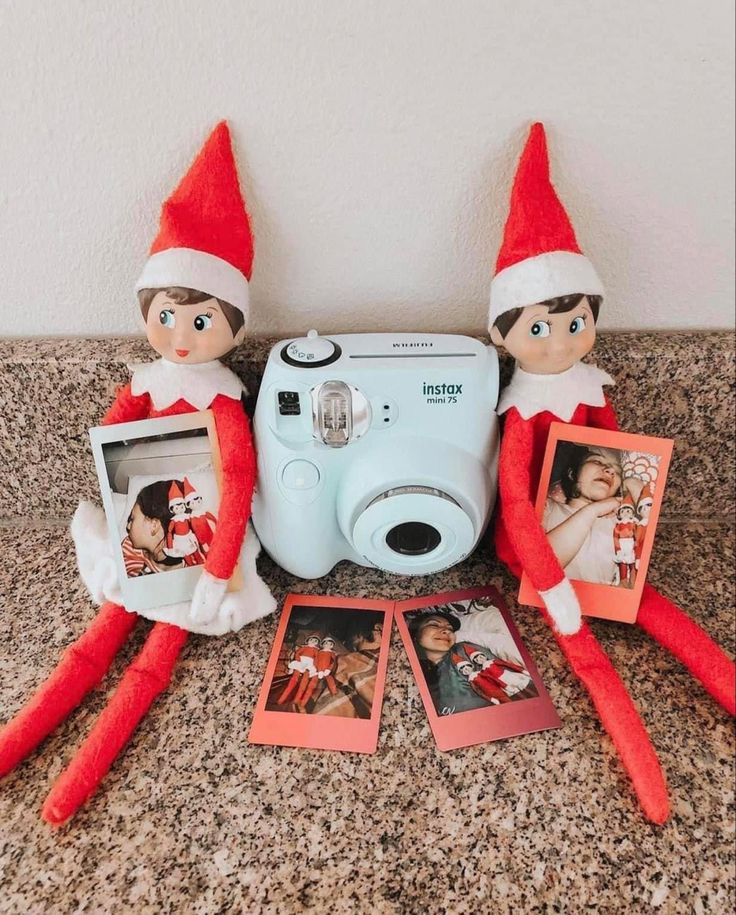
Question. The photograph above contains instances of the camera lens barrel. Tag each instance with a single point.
(413, 538)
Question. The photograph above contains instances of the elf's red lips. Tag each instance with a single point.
(182, 352)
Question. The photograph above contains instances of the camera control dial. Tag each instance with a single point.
(311, 351)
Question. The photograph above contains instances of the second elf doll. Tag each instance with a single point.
(545, 299)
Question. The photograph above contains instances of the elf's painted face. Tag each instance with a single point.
(189, 334)
(465, 669)
(328, 644)
(146, 533)
(479, 658)
(194, 502)
(178, 508)
(643, 510)
(313, 641)
(625, 513)
(547, 344)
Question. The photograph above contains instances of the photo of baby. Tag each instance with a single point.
(165, 498)
(597, 510)
(468, 656)
(327, 662)
(168, 527)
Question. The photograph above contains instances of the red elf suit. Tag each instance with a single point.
(511, 677)
(624, 539)
(204, 243)
(202, 522)
(301, 667)
(646, 500)
(181, 541)
(540, 260)
(325, 664)
(487, 689)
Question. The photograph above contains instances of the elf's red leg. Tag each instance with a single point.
(620, 718)
(706, 661)
(82, 666)
(307, 693)
(290, 687)
(147, 676)
(303, 684)
(331, 685)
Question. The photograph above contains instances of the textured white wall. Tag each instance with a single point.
(376, 141)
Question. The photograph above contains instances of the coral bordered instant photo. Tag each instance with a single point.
(599, 498)
(476, 679)
(324, 681)
(159, 480)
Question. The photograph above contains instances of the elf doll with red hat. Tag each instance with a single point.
(545, 298)
(487, 689)
(643, 507)
(302, 667)
(624, 543)
(324, 669)
(193, 295)
(180, 538)
(203, 522)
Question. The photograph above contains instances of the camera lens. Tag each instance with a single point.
(413, 538)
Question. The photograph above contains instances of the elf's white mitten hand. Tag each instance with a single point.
(207, 598)
(562, 605)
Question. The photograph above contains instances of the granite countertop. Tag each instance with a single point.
(193, 819)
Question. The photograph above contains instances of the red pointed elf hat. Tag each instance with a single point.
(188, 488)
(204, 240)
(646, 496)
(539, 258)
(175, 493)
(626, 502)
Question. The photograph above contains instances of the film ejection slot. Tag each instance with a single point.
(340, 413)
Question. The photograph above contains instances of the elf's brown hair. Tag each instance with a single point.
(504, 322)
(184, 296)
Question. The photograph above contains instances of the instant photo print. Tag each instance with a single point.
(599, 499)
(160, 485)
(477, 681)
(323, 687)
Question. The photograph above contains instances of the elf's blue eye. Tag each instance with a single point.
(203, 322)
(167, 318)
(577, 325)
(539, 329)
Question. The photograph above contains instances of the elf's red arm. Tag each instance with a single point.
(524, 529)
(669, 625)
(126, 408)
(238, 479)
(603, 417)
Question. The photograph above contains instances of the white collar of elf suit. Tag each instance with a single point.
(560, 394)
(166, 382)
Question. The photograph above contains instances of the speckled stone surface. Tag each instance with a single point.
(193, 819)
(679, 385)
